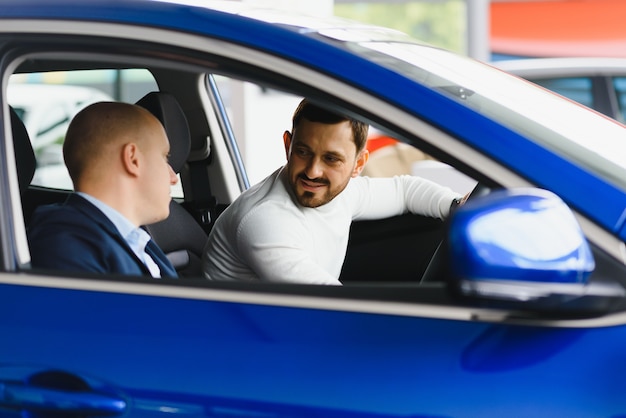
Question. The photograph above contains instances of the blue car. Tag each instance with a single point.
(513, 307)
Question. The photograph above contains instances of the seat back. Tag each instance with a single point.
(24, 153)
(180, 236)
(32, 197)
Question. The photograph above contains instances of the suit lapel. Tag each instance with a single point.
(160, 259)
(100, 218)
(167, 270)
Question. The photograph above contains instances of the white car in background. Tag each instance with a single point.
(598, 83)
(47, 109)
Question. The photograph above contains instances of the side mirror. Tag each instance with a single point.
(524, 247)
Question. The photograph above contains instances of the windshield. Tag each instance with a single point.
(593, 141)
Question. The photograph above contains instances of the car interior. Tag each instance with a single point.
(396, 249)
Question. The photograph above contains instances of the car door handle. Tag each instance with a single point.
(31, 398)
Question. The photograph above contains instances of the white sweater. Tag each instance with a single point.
(266, 235)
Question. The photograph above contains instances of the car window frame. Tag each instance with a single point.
(349, 98)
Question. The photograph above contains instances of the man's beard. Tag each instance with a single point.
(313, 200)
(309, 199)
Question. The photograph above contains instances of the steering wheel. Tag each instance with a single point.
(437, 266)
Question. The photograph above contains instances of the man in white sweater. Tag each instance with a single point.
(293, 226)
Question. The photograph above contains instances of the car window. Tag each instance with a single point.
(47, 102)
(578, 89)
(619, 84)
(259, 115)
(390, 157)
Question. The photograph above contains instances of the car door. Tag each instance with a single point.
(81, 345)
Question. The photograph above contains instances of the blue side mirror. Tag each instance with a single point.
(524, 245)
(524, 234)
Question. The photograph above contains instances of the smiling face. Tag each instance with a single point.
(321, 160)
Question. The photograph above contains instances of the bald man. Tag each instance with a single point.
(117, 157)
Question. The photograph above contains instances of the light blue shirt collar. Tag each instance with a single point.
(123, 225)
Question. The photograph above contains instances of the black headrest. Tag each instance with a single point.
(24, 154)
(166, 109)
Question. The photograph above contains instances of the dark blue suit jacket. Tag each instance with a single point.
(76, 236)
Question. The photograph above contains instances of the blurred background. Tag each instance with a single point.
(490, 29)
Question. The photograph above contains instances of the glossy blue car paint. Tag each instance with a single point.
(603, 202)
(522, 234)
(226, 359)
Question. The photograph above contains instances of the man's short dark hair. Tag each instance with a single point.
(314, 113)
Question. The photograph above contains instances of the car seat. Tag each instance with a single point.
(24, 153)
(26, 161)
(180, 236)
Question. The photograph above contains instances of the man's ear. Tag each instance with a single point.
(131, 158)
(287, 142)
(361, 160)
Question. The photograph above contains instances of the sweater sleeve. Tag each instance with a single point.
(376, 198)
